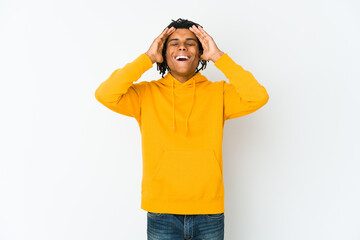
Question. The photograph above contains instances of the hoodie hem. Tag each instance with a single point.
(180, 206)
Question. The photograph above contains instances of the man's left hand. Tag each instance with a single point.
(211, 51)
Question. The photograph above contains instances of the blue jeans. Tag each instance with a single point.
(165, 226)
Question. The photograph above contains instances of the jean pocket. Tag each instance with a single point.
(152, 214)
(215, 216)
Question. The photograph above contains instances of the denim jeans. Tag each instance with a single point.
(165, 226)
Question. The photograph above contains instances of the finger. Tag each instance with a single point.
(194, 29)
(167, 33)
(205, 35)
(170, 31)
(166, 30)
(198, 34)
(203, 31)
(159, 37)
(202, 35)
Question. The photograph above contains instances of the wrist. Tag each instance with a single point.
(150, 56)
(217, 56)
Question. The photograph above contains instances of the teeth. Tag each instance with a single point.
(184, 57)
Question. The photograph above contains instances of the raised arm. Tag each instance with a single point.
(119, 92)
(244, 94)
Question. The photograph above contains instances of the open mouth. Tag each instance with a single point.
(182, 58)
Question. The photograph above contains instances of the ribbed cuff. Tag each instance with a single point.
(145, 60)
(225, 63)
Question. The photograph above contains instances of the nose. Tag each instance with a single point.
(182, 47)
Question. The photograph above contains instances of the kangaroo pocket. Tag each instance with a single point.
(187, 175)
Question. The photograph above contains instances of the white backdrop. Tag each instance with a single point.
(71, 168)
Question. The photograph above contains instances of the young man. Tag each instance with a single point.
(181, 118)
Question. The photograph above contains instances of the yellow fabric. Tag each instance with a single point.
(181, 128)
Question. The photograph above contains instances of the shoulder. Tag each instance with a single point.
(218, 84)
(140, 87)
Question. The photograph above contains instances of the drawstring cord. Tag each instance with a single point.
(173, 105)
(192, 103)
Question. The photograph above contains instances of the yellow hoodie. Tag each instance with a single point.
(181, 128)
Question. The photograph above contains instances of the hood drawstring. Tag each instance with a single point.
(173, 104)
(192, 103)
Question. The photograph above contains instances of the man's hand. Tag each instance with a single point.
(155, 50)
(211, 51)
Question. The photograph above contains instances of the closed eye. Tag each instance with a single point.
(190, 44)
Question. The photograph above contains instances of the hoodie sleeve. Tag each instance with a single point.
(243, 95)
(119, 93)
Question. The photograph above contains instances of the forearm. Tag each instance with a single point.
(216, 56)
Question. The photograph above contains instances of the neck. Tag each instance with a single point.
(182, 78)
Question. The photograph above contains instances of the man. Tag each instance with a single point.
(181, 118)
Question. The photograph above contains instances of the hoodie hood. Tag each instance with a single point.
(172, 83)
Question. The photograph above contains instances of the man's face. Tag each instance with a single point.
(182, 42)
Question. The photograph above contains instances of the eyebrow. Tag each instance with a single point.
(174, 39)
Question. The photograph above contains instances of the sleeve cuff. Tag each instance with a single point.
(223, 60)
(145, 60)
(226, 64)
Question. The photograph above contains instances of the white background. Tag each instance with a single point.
(71, 168)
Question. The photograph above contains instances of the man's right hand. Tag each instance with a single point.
(155, 50)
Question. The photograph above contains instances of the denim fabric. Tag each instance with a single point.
(165, 226)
